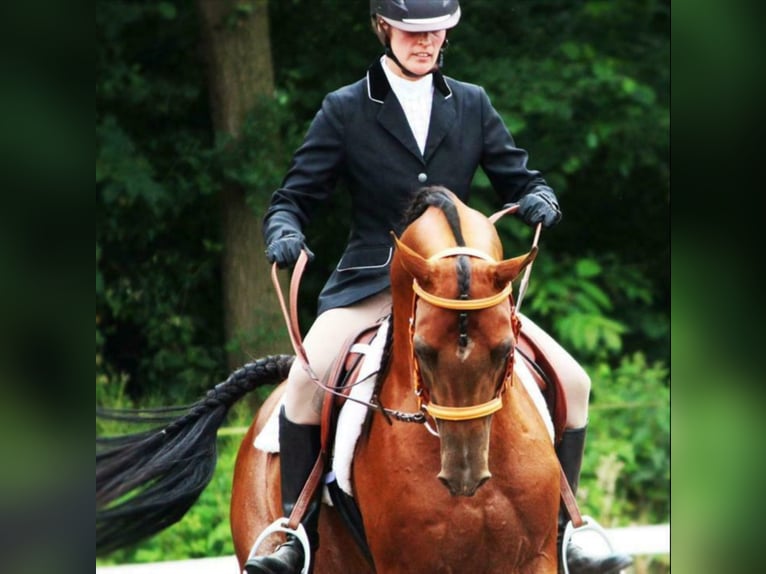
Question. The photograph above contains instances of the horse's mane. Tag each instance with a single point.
(435, 196)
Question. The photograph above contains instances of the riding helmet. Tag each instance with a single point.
(417, 15)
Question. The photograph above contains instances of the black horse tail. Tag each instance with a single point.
(147, 481)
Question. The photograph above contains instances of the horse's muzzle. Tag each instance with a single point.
(464, 456)
(464, 486)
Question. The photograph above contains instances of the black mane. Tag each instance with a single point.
(435, 196)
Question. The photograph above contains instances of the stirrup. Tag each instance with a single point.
(280, 525)
(589, 524)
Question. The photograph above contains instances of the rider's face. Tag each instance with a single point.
(417, 51)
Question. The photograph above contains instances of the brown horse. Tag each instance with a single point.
(482, 496)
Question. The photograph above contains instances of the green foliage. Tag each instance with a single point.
(582, 302)
(256, 160)
(626, 471)
(157, 247)
(585, 88)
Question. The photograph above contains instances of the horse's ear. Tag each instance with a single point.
(508, 269)
(417, 266)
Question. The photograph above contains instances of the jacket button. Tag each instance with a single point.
(422, 177)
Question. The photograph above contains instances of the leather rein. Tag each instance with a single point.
(293, 329)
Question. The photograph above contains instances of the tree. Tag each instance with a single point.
(238, 57)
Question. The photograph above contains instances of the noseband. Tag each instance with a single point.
(474, 411)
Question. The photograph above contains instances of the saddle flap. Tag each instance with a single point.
(342, 376)
(548, 380)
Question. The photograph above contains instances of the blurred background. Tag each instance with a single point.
(198, 110)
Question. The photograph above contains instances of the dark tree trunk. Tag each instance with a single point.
(239, 65)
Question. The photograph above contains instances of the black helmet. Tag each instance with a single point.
(417, 15)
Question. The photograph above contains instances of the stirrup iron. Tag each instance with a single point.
(589, 524)
(280, 525)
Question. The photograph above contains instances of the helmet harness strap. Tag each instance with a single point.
(390, 54)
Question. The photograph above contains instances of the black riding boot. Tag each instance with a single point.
(299, 447)
(570, 451)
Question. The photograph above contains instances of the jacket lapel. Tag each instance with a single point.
(443, 115)
(391, 116)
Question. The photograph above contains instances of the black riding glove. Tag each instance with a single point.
(540, 206)
(286, 250)
(284, 240)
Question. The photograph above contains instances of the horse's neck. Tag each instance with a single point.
(397, 388)
(519, 414)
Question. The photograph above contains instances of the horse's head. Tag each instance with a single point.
(462, 331)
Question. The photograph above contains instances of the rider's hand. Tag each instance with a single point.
(286, 250)
(540, 206)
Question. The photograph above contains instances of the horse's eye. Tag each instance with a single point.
(424, 352)
(500, 352)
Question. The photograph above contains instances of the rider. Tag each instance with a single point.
(404, 125)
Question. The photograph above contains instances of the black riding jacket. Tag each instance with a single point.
(361, 134)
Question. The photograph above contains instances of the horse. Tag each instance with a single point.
(478, 493)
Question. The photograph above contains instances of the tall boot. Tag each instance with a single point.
(299, 447)
(570, 452)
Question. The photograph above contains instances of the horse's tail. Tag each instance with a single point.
(148, 480)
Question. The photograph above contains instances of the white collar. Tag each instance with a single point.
(408, 89)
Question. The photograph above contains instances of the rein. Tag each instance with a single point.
(293, 329)
(538, 228)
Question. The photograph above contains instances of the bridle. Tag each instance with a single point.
(449, 413)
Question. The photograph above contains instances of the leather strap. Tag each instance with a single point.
(291, 318)
(533, 352)
(293, 328)
(307, 494)
(568, 499)
(525, 278)
(511, 208)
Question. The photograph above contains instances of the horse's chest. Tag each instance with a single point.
(413, 523)
(428, 532)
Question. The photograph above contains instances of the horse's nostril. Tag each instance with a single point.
(446, 482)
(463, 487)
